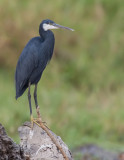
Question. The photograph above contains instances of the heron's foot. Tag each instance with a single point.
(33, 120)
(39, 121)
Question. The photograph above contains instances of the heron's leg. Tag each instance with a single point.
(35, 96)
(36, 102)
(29, 99)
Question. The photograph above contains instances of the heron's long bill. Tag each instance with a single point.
(59, 26)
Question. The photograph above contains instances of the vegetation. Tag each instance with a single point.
(81, 91)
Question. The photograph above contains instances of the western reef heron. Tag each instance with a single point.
(33, 60)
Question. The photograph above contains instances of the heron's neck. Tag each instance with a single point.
(48, 40)
(45, 34)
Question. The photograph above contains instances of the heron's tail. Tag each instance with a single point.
(20, 92)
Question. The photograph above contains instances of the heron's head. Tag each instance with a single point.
(49, 24)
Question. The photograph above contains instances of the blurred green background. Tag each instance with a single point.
(81, 93)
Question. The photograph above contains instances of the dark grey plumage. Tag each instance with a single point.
(33, 60)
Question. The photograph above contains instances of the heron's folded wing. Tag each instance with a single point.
(28, 61)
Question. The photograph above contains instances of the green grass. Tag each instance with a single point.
(77, 117)
(81, 91)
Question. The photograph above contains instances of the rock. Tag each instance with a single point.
(37, 145)
(9, 150)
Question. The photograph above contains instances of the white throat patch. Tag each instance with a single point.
(48, 26)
